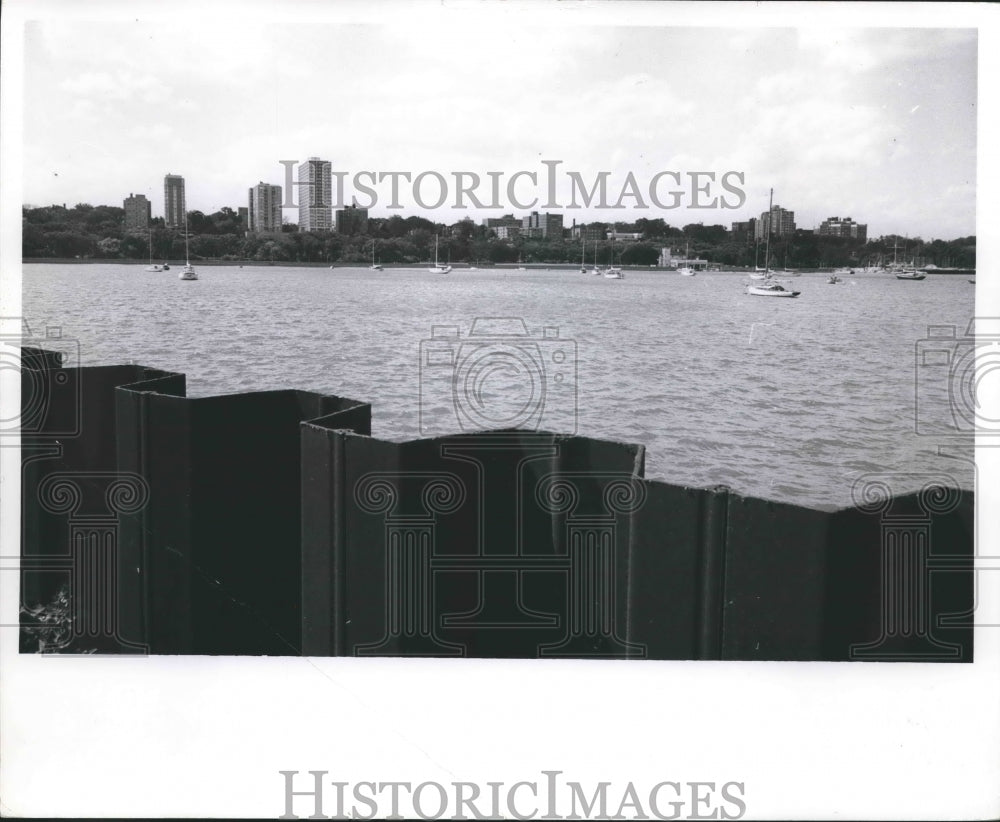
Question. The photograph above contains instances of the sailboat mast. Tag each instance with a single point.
(767, 242)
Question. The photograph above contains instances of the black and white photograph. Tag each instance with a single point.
(499, 410)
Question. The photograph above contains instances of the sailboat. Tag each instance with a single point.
(595, 270)
(686, 271)
(612, 272)
(758, 272)
(769, 287)
(902, 270)
(188, 272)
(374, 266)
(151, 267)
(583, 255)
(788, 272)
(437, 268)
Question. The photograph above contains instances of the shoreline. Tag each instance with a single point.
(456, 267)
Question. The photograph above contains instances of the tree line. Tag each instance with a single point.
(97, 232)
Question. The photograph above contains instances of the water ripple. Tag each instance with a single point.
(789, 400)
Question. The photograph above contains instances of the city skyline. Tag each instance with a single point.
(880, 123)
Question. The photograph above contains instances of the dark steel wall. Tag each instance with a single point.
(272, 523)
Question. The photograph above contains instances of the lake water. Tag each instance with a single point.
(785, 399)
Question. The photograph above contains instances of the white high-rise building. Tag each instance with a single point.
(264, 211)
(315, 195)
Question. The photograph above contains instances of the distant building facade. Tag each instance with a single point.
(496, 223)
(351, 220)
(745, 231)
(244, 213)
(508, 232)
(174, 204)
(671, 258)
(624, 235)
(264, 208)
(315, 195)
(779, 222)
(588, 233)
(138, 212)
(542, 225)
(836, 227)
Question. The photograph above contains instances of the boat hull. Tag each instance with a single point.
(754, 291)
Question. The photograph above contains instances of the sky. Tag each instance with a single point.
(875, 124)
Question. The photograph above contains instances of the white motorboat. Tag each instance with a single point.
(437, 268)
(770, 289)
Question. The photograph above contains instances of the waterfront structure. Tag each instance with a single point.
(668, 259)
(624, 235)
(264, 208)
(315, 195)
(542, 225)
(174, 203)
(351, 220)
(836, 227)
(138, 211)
(779, 222)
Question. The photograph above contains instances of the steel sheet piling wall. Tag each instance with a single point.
(272, 523)
(220, 556)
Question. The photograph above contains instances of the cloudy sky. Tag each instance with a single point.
(877, 124)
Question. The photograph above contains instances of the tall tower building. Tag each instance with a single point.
(137, 212)
(264, 208)
(779, 221)
(174, 206)
(315, 195)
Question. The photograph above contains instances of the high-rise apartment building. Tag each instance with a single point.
(779, 221)
(174, 205)
(836, 227)
(542, 225)
(264, 208)
(351, 220)
(137, 212)
(315, 195)
(745, 231)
